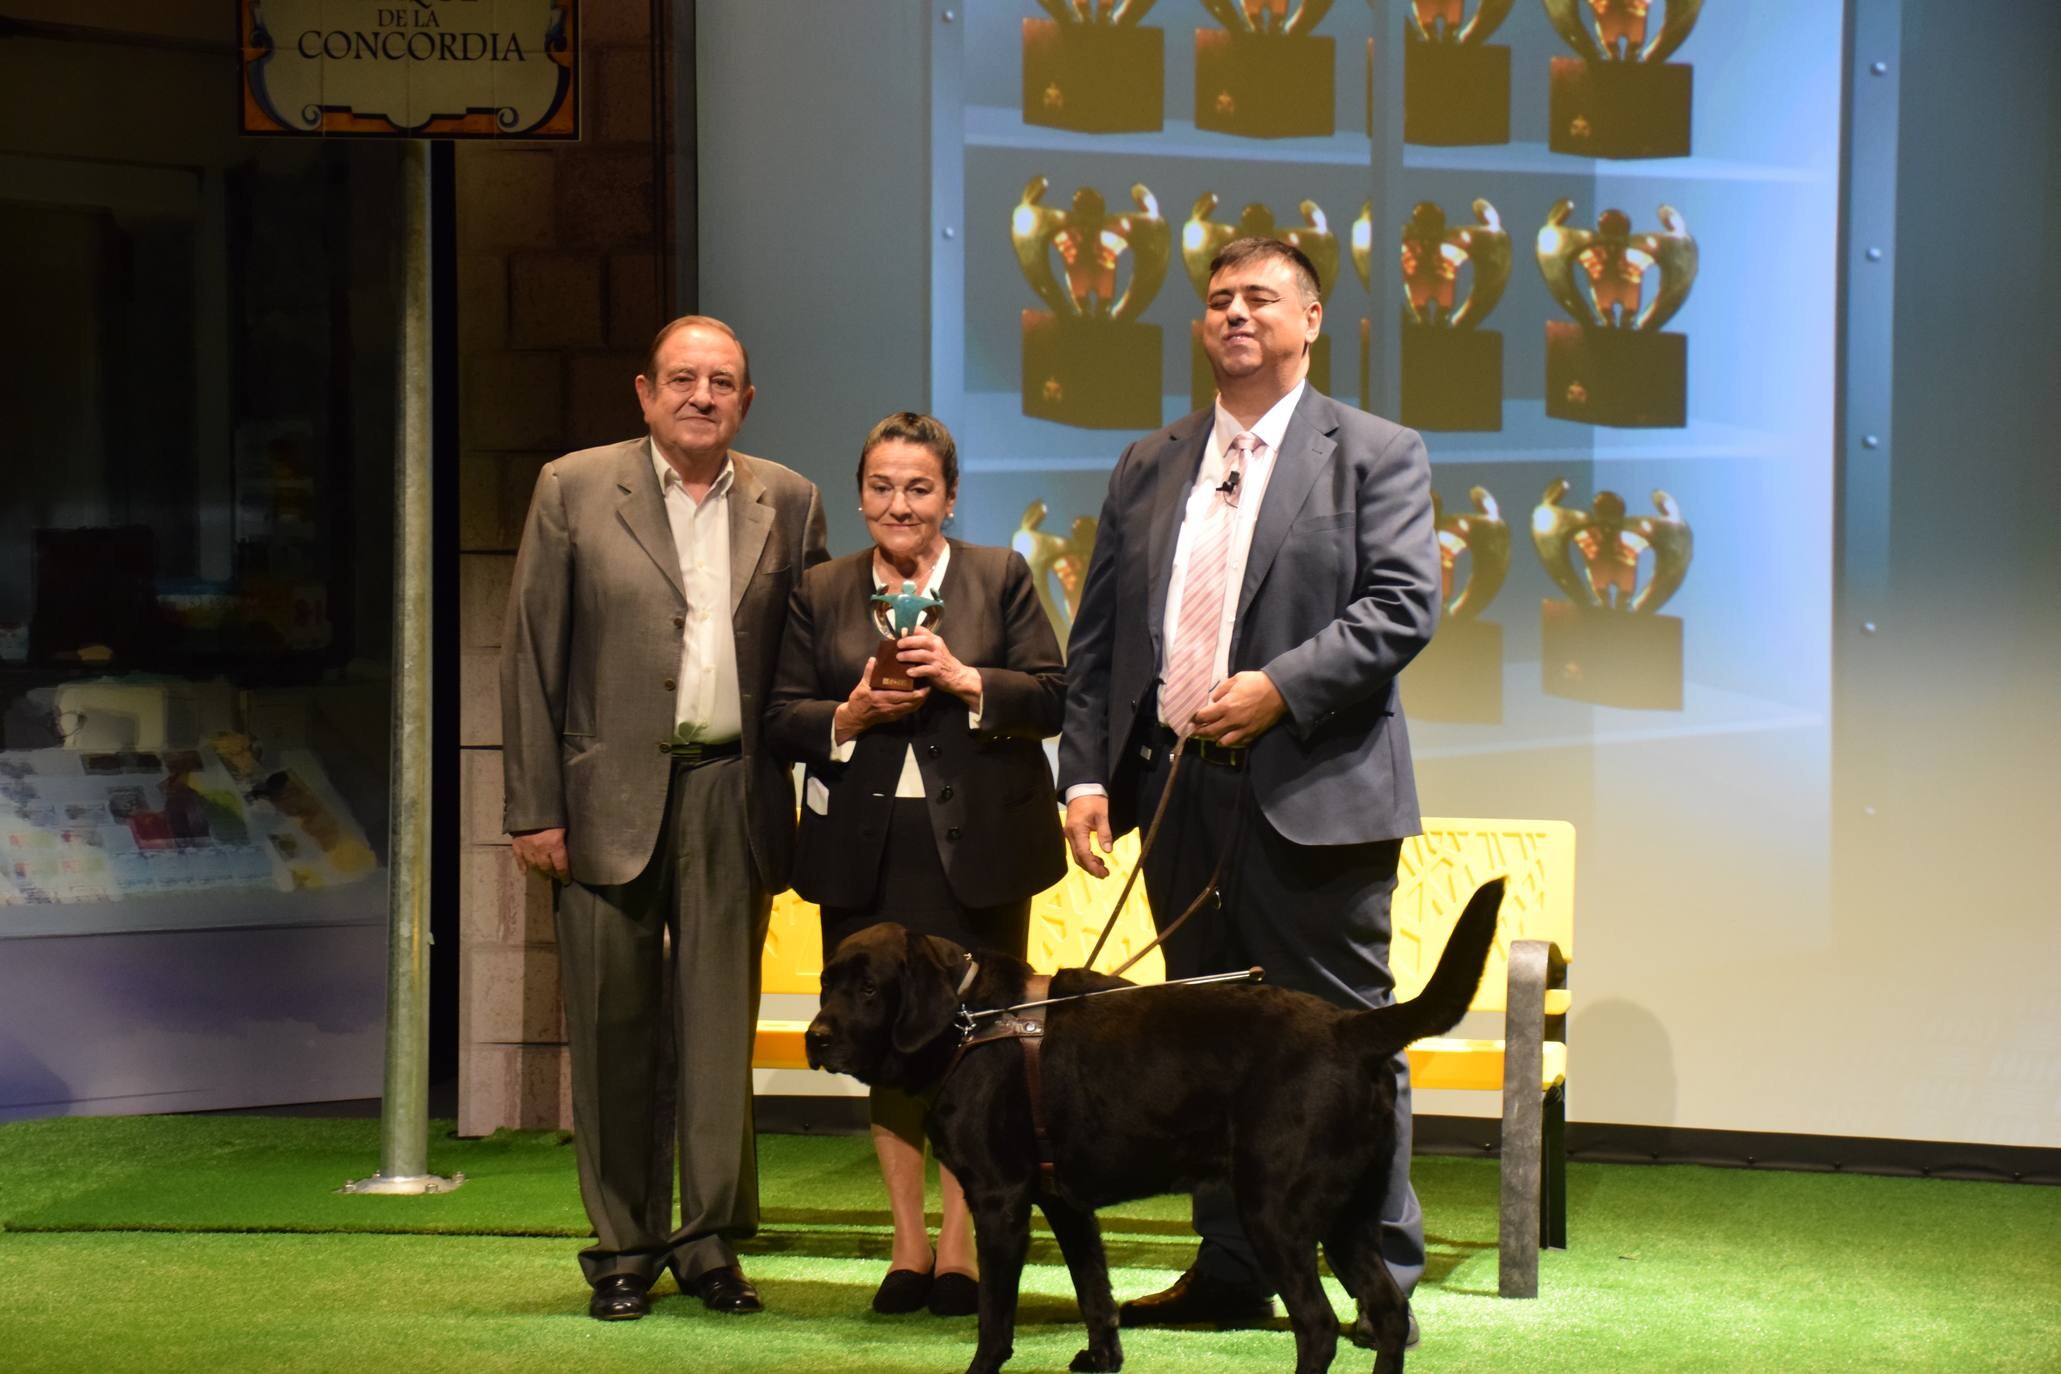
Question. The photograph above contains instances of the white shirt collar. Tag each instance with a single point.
(668, 476)
(1272, 426)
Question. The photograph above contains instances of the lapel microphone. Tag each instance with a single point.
(1230, 484)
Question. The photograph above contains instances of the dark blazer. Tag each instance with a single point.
(594, 630)
(991, 800)
(1341, 590)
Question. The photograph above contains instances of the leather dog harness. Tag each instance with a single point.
(1025, 1024)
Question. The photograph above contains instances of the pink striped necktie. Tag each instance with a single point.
(1191, 657)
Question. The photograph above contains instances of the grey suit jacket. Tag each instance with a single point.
(1341, 590)
(990, 790)
(594, 631)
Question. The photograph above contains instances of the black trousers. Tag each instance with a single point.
(912, 890)
(1315, 917)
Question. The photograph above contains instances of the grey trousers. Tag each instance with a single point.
(661, 980)
(1316, 918)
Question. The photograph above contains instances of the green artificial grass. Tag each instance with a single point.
(218, 1243)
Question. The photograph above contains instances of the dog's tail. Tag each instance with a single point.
(1446, 997)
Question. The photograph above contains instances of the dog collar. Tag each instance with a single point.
(972, 971)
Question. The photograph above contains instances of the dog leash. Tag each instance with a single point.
(1209, 888)
(968, 1021)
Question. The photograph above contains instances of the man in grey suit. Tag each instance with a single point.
(643, 632)
(1262, 572)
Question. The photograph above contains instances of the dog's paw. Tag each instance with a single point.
(1093, 1359)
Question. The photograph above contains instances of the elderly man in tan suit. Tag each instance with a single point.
(643, 628)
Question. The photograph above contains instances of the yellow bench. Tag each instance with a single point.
(1526, 981)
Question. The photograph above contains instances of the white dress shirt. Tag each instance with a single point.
(910, 784)
(1271, 428)
(705, 701)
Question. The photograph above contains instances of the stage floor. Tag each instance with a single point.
(218, 1243)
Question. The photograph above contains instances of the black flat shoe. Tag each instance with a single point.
(1198, 1299)
(901, 1292)
(726, 1290)
(954, 1295)
(619, 1298)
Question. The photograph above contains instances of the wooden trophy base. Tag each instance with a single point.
(1095, 374)
(1452, 378)
(888, 674)
(1632, 378)
(1093, 78)
(1620, 109)
(1455, 94)
(1458, 679)
(1265, 85)
(1202, 383)
(1610, 658)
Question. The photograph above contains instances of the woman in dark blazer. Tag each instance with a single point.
(932, 807)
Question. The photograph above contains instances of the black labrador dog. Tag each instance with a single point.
(1288, 1100)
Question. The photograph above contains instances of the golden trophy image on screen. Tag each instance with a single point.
(1612, 365)
(1452, 368)
(1608, 644)
(1620, 96)
(1088, 360)
(1262, 73)
(1363, 268)
(1458, 678)
(1456, 85)
(1058, 564)
(1091, 68)
(1202, 238)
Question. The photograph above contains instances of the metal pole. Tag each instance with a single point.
(404, 1115)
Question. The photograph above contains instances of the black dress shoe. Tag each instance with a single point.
(726, 1290)
(901, 1292)
(954, 1295)
(619, 1298)
(1199, 1299)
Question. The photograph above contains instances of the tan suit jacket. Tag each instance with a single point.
(595, 623)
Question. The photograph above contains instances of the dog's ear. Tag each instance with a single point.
(929, 993)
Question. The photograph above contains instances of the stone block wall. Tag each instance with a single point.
(561, 284)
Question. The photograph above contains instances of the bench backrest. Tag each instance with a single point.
(1440, 870)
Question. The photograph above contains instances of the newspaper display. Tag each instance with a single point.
(83, 826)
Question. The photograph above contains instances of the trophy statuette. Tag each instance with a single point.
(1058, 565)
(1088, 360)
(1620, 97)
(1091, 68)
(1611, 364)
(1452, 370)
(896, 614)
(1458, 678)
(1456, 85)
(1363, 268)
(1607, 643)
(1263, 73)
